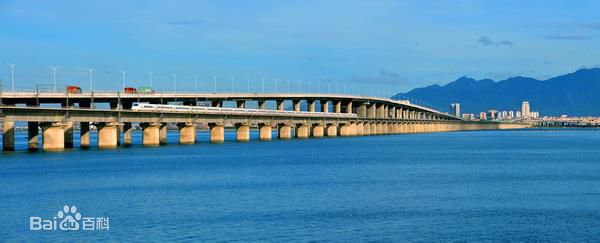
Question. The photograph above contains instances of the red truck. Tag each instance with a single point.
(73, 89)
(129, 90)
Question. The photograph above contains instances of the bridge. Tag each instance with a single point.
(374, 116)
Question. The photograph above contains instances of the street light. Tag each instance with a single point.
(215, 82)
(90, 71)
(123, 80)
(54, 75)
(12, 72)
(150, 74)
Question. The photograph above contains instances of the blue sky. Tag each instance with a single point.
(392, 45)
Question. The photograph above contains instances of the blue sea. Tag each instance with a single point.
(514, 185)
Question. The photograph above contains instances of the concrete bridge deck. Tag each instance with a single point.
(374, 116)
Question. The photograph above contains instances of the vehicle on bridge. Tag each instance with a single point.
(218, 110)
(129, 90)
(73, 89)
(145, 90)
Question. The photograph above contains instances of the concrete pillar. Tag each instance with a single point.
(349, 107)
(162, 134)
(241, 104)
(33, 141)
(118, 131)
(352, 129)
(379, 129)
(127, 133)
(373, 129)
(187, 132)
(296, 104)
(362, 110)
(261, 104)
(242, 132)
(366, 129)
(8, 135)
(312, 105)
(359, 129)
(68, 134)
(324, 106)
(265, 131)
(393, 112)
(380, 111)
(331, 130)
(217, 132)
(107, 135)
(384, 128)
(53, 136)
(84, 135)
(318, 131)
(302, 131)
(284, 131)
(280, 105)
(337, 106)
(345, 130)
(371, 111)
(150, 134)
(217, 103)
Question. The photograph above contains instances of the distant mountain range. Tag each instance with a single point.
(574, 94)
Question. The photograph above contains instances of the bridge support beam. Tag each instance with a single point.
(187, 133)
(378, 128)
(345, 130)
(217, 132)
(242, 132)
(318, 131)
(284, 131)
(337, 107)
(150, 134)
(33, 140)
(366, 129)
(8, 135)
(107, 135)
(53, 136)
(162, 138)
(127, 132)
(280, 105)
(332, 130)
(324, 106)
(302, 131)
(362, 110)
(312, 105)
(373, 129)
(84, 135)
(359, 129)
(296, 104)
(265, 131)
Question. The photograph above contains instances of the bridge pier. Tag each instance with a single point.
(187, 132)
(217, 132)
(359, 129)
(8, 135)
(378, 128)
(84, 135)
(318, 131)
(53, 134)
(284, 131)
(367, 129)
(33, 141)
(384, 128)
(265, 131)
(68, 134)
(331, 130)
(150, 133)
(107, 135)
(312, 105)
(296, 105)
(302, 130)
(324, 106)
(162, 134)
(345, 130)
(243, 132)
(127, 133)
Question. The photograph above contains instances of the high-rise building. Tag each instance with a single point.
(482, 116)
(455, 107)
(511, 114)
(525, 109)
(493, 114)
(518, 114)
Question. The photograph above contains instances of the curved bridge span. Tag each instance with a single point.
(288, 115)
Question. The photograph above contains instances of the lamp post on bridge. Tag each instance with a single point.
(91, 71)
(54, 77)
(12, 74)
(123, 81)
(150, 74)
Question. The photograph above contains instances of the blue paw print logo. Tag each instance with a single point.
(69, 218)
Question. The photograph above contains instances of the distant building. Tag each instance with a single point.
(469, 117)
(493, 114)
(511, 114)
(518, 114)
(525, 110)
(455, 107)
(504, 115)
(482, 116)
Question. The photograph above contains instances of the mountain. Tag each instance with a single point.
(574, 94)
